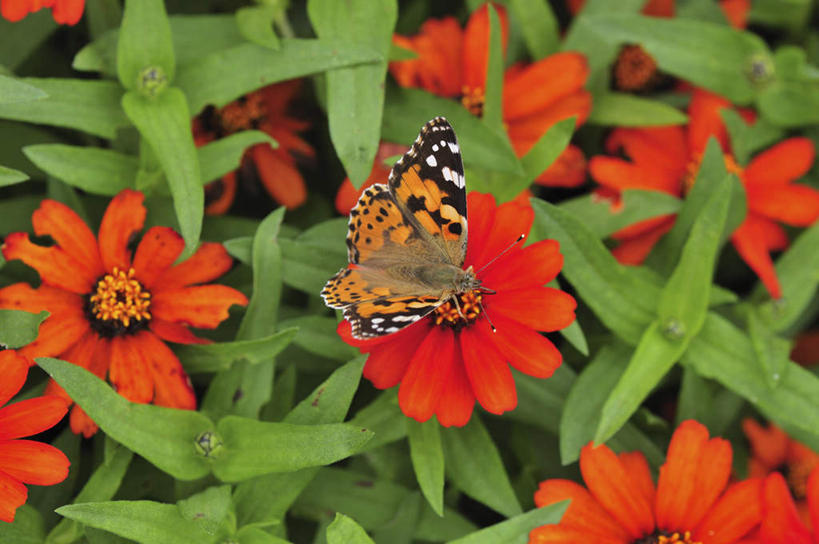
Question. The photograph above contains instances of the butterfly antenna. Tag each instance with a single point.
(501, 254)
(486, 315)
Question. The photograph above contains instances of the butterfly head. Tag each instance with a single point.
(466, 281)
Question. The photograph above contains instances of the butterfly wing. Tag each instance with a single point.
(429, 188)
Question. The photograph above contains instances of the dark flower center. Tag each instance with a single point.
(796, 473)
(459, 311)
(635, 69)
(473, 98)
(119, 304)
(693, 168)
(666, 537)
(244, 113)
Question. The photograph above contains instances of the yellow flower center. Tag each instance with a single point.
(664, 537)
(473, 98)
(693, 168)
(635, 69)
(457, 312)
(120, 300)
(242, 114)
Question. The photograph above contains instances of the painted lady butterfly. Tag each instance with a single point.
(407, 240)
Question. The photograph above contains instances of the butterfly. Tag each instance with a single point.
(406, 240)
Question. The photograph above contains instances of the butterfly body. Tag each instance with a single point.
(407, 240)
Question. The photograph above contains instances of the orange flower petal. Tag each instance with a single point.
(609, 483)
(752, 240)
(81, 423)
(57, 333)
(21, 296)
(541, 308)
(634, 249)
(481, 210)
(584, 513)
(57, 220)
(784, 162)
(621, 175)
(563, 534)
(171, 384)
(128, 372)
(693, 476)
(428, 371)
(437, 67)
(13, 494)
(476, 45)
(157, 251)
(67, 12)
(525, 349)
(389, 361)
(175, 332)
(220, 194)
(781, 523)
(555, 77)
(454, 408)
(124, 216)
(568, 170)
(813, 500)
(736, 11)
(347, 195)
(639, 474)
(488, 372)
(56, 267)
(279, 176)
(510, 220)
(209, 262)
(704, 121)
(33, 462)
(734, 515)
(524, 132)
(203, 306)
(796, 205)
(659, 149)
(532, 266)
(31, 416)
(769, 445)
(14, 370)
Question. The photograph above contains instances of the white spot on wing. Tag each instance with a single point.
(447, 173)
(454, 148)
(431, 161)
(401, 318)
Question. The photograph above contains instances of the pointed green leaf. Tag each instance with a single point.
(18, 328)
(13, 90)
(224, 155)
(256, 24)
(493, 98)
(317, 334)
(312, 257)
(344, 530)
(597, 214)
(747, 139)
(474, 465)
(355, 95)
(145, 43)
(164, 122)
(427, 457)
(146, 522)
(221, 355)
(384, 418)
(27, 527)
(254, 535)
(708, 402)
(253, 448)
(98, 171)
(628, 110)
(772, 351)
(164, 436)
(539, 26)
(517, 528)
(208, 509)
(9, 176)
(402, 527)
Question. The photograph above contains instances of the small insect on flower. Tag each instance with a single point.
(442, 316)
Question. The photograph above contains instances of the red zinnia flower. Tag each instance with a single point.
(445, 362)
(110, 312)
(666, 159)
(265, 110)
(65, 12)
(781, 521)
(774, 451)
(691, 503)
(453, 62)
(25, 461)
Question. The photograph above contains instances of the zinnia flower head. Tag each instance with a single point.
(453, 62)
(65, 12)
(446, 361)
(267, 110)
(692, 502)
(25, 461)
(112, 310)
(667, 159)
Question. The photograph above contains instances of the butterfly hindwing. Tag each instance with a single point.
(428, 185)
(387, 315)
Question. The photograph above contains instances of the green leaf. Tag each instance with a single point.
(208, 509)
(772, 351)
(596, 214)
(146, 522)
(584, 403)
(220, 356)
(256, 24)
(254, 535)
(427, 457)
(517, 528)
(344, 530)
(574, 335)
(493, 96)
(792, 99)
(681, 310)
(628, 110)
(311, 258)
(13, 90)
(10, 176)
(317, 334)
(101, 486)
(355, 95)
(747, 139)
(27, 527)
(98, 171)
(247, 67)
(622, 300)
(721, 61)
(401, 528)
(164, 436)
(708, 402)
(145, 43)
(384, 418)
(225, 154)
(538, 25)
(22, 38)
(164, 122)
(474, 465)
(398, 53)
(86, 105)
(18, 328)
(253, 448)
(406, 111)
(540, 402)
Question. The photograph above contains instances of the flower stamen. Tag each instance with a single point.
(665, 537)
(120, 301)
(459, 311)
(473, 98)
(242, 114)
(693, 168)
(635, 69)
